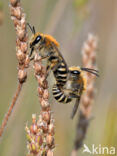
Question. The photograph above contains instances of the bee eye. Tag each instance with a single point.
(38, 38)
(75, 72)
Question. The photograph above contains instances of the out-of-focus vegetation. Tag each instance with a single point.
(69, 21)
(1, 13)
(82, 12)
(80, 3)
(109, 137)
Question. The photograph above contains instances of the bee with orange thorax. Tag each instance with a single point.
(47, 47)
(70, 83)
(74, 87)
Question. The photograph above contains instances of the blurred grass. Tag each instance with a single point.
(110, 131)
(49, 6)
(1, 6)
(80, 3)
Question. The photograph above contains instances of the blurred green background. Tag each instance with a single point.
(70, 22)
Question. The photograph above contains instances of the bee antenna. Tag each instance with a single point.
(92, 71)
(89, 69)
(32, 29)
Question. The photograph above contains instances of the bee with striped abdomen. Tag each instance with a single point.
(74, 86)
(47, 47)
(70, 83)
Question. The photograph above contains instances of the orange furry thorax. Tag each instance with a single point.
(50, 39)
(82, 80)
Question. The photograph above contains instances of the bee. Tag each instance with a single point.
(74, 87)
(70, 83)
(47, 47)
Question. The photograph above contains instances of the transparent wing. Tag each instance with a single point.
(75, 108)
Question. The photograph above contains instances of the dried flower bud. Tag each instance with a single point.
(43, 71)
(22, 75)
(24, 47)
(44, 104)
(27, 61)
(14, 2)
(93, 57)
(50, 153)
(40, 91)
(87, 111)
(51, 129)
(37, 68)
(45, 94)
(16, 12)
(46, 116)
(39, 121)
(23, 22)
(20, 33)
(37, 57)
(29, 147)
(16, 21)
(18, 43)
(49, 139)
(39, 140)
(90, 90)
(41, 81)
(34, 148)
(44, 126)
(33, 118)
(45, 85)
(33, 129)
(85, 59)
(29, 138)
(20, 56)
(86, 101)
(86, 49)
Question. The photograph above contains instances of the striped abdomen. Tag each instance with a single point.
(61, 73)
(59, 95)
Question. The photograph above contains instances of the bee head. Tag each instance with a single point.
(74, 72)
(35, 40)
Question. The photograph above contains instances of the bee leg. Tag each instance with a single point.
(75, 108)
(46, 56)
(47, 70)
(51, 66)
(31, 58)
(67, 90)
(56, 66)
(72, 95)
(30, 54)
(71, 90)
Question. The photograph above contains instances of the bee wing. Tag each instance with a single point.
(75, 108)
(56, 48)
